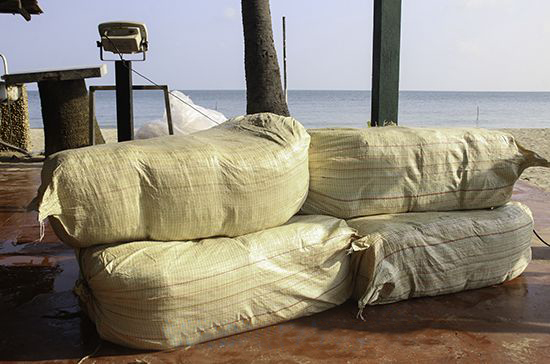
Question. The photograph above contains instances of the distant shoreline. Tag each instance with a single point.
(327, 108)
(348, 90)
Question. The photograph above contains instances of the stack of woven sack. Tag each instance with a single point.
(432, 207)
(185, 239)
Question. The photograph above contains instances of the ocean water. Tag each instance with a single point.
(348, 108)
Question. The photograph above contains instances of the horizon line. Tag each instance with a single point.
(356, 90)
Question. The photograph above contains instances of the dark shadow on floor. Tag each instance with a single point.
(541, 253)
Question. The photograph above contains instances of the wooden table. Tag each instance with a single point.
(64, 100)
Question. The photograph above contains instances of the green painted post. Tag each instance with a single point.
(385, 62)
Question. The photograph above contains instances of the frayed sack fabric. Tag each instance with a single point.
(431, 253)
(361, 172)
(156, 296)
(247, 174)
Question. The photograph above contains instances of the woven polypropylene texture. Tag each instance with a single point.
(431, 253)
(248, 174)
(361, 172)
(156, 296)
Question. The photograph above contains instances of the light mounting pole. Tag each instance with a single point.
(123, 38)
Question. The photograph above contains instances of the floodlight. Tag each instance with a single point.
(121, 37)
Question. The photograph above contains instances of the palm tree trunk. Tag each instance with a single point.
(264, 92)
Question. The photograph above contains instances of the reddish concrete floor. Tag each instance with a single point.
(40, 318)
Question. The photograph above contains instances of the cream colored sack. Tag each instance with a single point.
(248, 174)
(361, 172)
(156, 296)
(432, 253)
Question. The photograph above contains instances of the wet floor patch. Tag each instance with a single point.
(21, 284)
(28, 270)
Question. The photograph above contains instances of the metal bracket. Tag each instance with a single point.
(100, 46)
(91, 98)
(24, 13)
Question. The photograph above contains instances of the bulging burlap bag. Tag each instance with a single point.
(430, 253)
(361, 172)
(155, 296)
(247, 174)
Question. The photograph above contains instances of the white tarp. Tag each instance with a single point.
(185, 118)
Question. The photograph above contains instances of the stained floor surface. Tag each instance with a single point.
(40, 319)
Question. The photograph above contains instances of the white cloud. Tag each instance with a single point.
(469, 48)
(230, 13)
(477, 4)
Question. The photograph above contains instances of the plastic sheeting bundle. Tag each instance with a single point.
(361, 172)
(431, 253)
(187, 118)
(155, 296)
(248, 174)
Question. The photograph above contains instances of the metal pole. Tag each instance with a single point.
(284, 59)
(91, 115)
(385, 61)
(168, 110)
(124, 100)
(5, 61)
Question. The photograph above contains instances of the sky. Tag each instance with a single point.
(447, 45)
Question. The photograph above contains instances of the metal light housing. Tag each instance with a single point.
(122, 37)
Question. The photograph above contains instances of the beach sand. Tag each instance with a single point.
(534, 139)
(537, 140)
(37, 138)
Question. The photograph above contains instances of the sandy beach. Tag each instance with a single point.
(534, 139)
(37, 138)
(537, 140)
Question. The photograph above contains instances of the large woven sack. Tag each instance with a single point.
(247, 174)
(361, 172)
(156, 296)
(431, 253)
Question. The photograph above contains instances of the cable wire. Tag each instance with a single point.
(156, 84)
(541, 239)
(200, 112)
